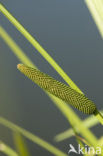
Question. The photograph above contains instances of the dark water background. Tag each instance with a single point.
(67, 31)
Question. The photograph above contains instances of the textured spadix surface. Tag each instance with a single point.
(60, 90)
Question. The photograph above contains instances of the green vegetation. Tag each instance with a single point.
(78, 126)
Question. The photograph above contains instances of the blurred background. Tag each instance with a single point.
(67, 31)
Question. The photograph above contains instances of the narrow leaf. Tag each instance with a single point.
(20, 144)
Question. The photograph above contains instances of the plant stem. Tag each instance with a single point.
(69, 114)
(38, 47)
(32, 137)
(7, 150)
